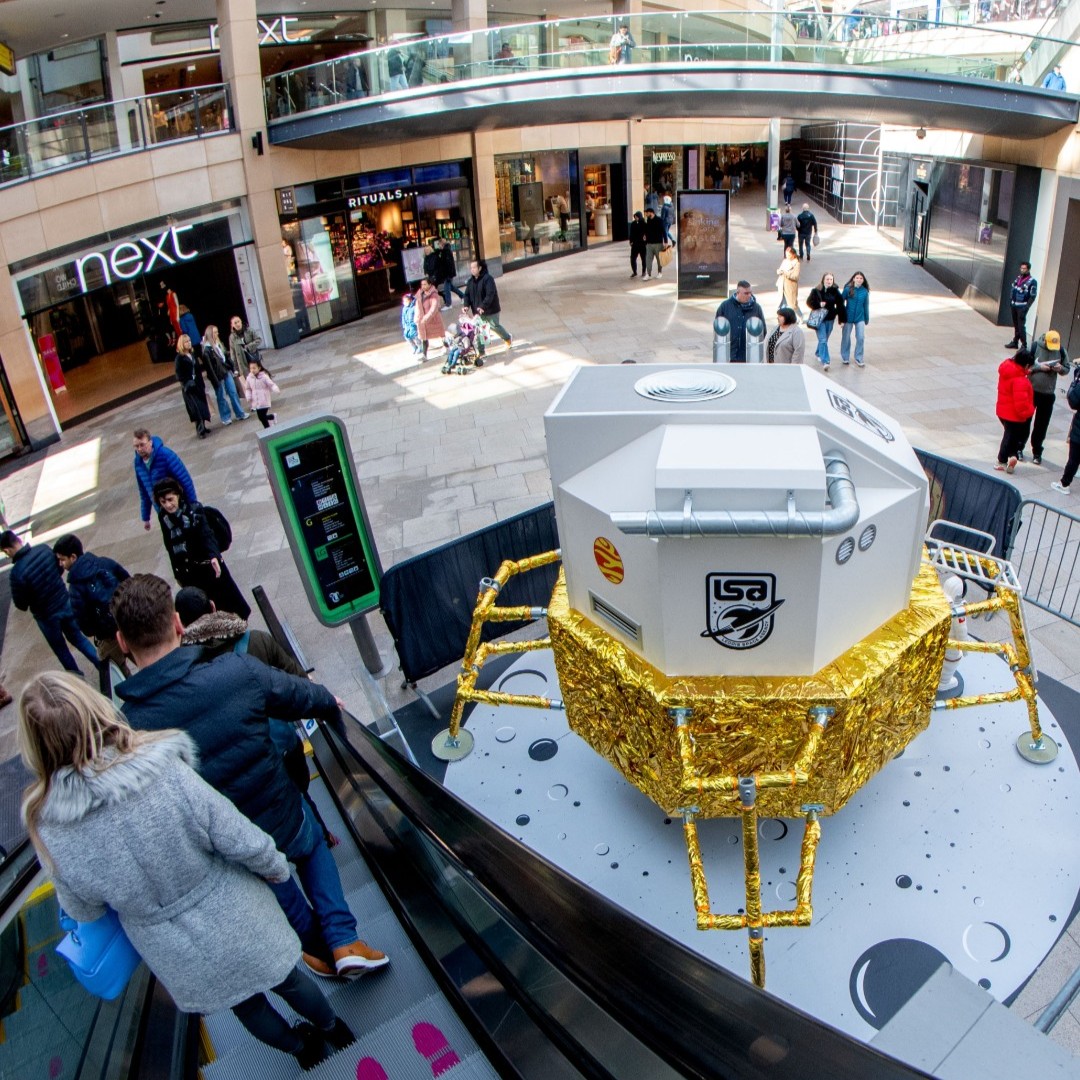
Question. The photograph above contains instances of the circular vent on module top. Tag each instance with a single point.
(689, 384)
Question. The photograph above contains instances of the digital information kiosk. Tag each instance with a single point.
(309, 463)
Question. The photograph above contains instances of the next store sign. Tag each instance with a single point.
(134, 257)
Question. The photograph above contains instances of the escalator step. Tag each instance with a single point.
(448, 1048)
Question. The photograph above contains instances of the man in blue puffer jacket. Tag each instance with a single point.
(38, 586)
(154, 461)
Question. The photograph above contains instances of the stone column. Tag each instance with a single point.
(468, 15)
(487, 207)
(635, 167)
(772, 191)
(238, 34)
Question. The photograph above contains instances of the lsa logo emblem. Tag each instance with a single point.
(740, 609)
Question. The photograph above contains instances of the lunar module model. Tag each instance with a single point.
(750, 618)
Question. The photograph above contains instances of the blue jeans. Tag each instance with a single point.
(824, 330)
(806, 245)
(54, 628)
(845, 341)
(318, 874)
(226, 395)
(447, 287)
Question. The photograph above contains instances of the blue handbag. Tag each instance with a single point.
(99, 953)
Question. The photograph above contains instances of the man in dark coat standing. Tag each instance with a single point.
(739, 309)
(38, 586)
(637, 243)
(807, 229)
(223, 704)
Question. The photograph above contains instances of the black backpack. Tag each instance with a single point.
(219, 526)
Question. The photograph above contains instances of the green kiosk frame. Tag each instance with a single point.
(309, 464)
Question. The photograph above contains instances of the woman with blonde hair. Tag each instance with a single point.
(787, 281)
(121, 820)
(189, 376)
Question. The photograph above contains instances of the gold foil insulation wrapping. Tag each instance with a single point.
(881, 690)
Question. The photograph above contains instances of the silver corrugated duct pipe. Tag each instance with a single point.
(841, 516)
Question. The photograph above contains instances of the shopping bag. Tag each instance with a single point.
(817, 239)
(99, 954)
(666, 255)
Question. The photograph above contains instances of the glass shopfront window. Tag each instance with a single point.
(539, 204)
(316, 255)
(355, 244)
(664, 169)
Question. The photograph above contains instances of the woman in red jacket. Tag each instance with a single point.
(1015, 407)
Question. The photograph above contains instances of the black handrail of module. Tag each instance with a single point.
(698, 1017)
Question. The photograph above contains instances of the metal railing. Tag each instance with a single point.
(77, 137)
(1046, 554)
(911, 45)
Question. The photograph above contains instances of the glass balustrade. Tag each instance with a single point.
(915, 45)
(80, 136)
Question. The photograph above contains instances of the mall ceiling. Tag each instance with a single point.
(32, 26)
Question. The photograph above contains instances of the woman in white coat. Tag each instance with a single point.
(120, 819)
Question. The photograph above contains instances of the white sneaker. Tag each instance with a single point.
(645, 277)
(1057, 486)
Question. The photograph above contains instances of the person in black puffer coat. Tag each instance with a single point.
(220, 632)
(37, 586)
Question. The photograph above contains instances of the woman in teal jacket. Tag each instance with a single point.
(857, 306)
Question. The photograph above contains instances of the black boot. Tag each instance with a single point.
(339, 1036)
(313, 1048)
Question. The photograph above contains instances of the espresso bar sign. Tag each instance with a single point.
(132, 258)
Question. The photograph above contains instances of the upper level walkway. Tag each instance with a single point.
(77, 137)
(731, 63)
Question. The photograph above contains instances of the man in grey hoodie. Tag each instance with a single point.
(1051, 362)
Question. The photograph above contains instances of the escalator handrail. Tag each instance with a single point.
(694, 1014)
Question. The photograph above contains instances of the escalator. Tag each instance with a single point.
(502, 965)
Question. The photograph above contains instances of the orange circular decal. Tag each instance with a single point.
(608, 559)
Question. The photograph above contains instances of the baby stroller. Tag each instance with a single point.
(461, 352)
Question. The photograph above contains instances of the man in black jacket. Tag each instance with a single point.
(38, 586)
(739, 309)
(482, 297)
(807, 229)
(654, 242)
(91, 581)
(637, 243)
(223, 704)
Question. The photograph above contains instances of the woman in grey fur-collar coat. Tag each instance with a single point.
(121, 819)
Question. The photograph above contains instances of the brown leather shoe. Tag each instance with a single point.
(318, 967)
(358, 959)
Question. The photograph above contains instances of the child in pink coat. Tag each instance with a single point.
(257, 389)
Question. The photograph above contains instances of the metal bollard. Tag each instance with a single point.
(721, 342)
(755, 341)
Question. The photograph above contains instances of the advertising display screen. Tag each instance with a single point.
(309, 463)
(703, 243)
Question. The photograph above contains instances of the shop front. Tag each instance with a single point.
(353, 245)
(665, 171)
(540, 204)
(103, 319)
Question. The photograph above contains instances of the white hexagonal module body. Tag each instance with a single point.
(732, 519)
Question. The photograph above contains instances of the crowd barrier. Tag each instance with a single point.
(972, 498)
(427, 601)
